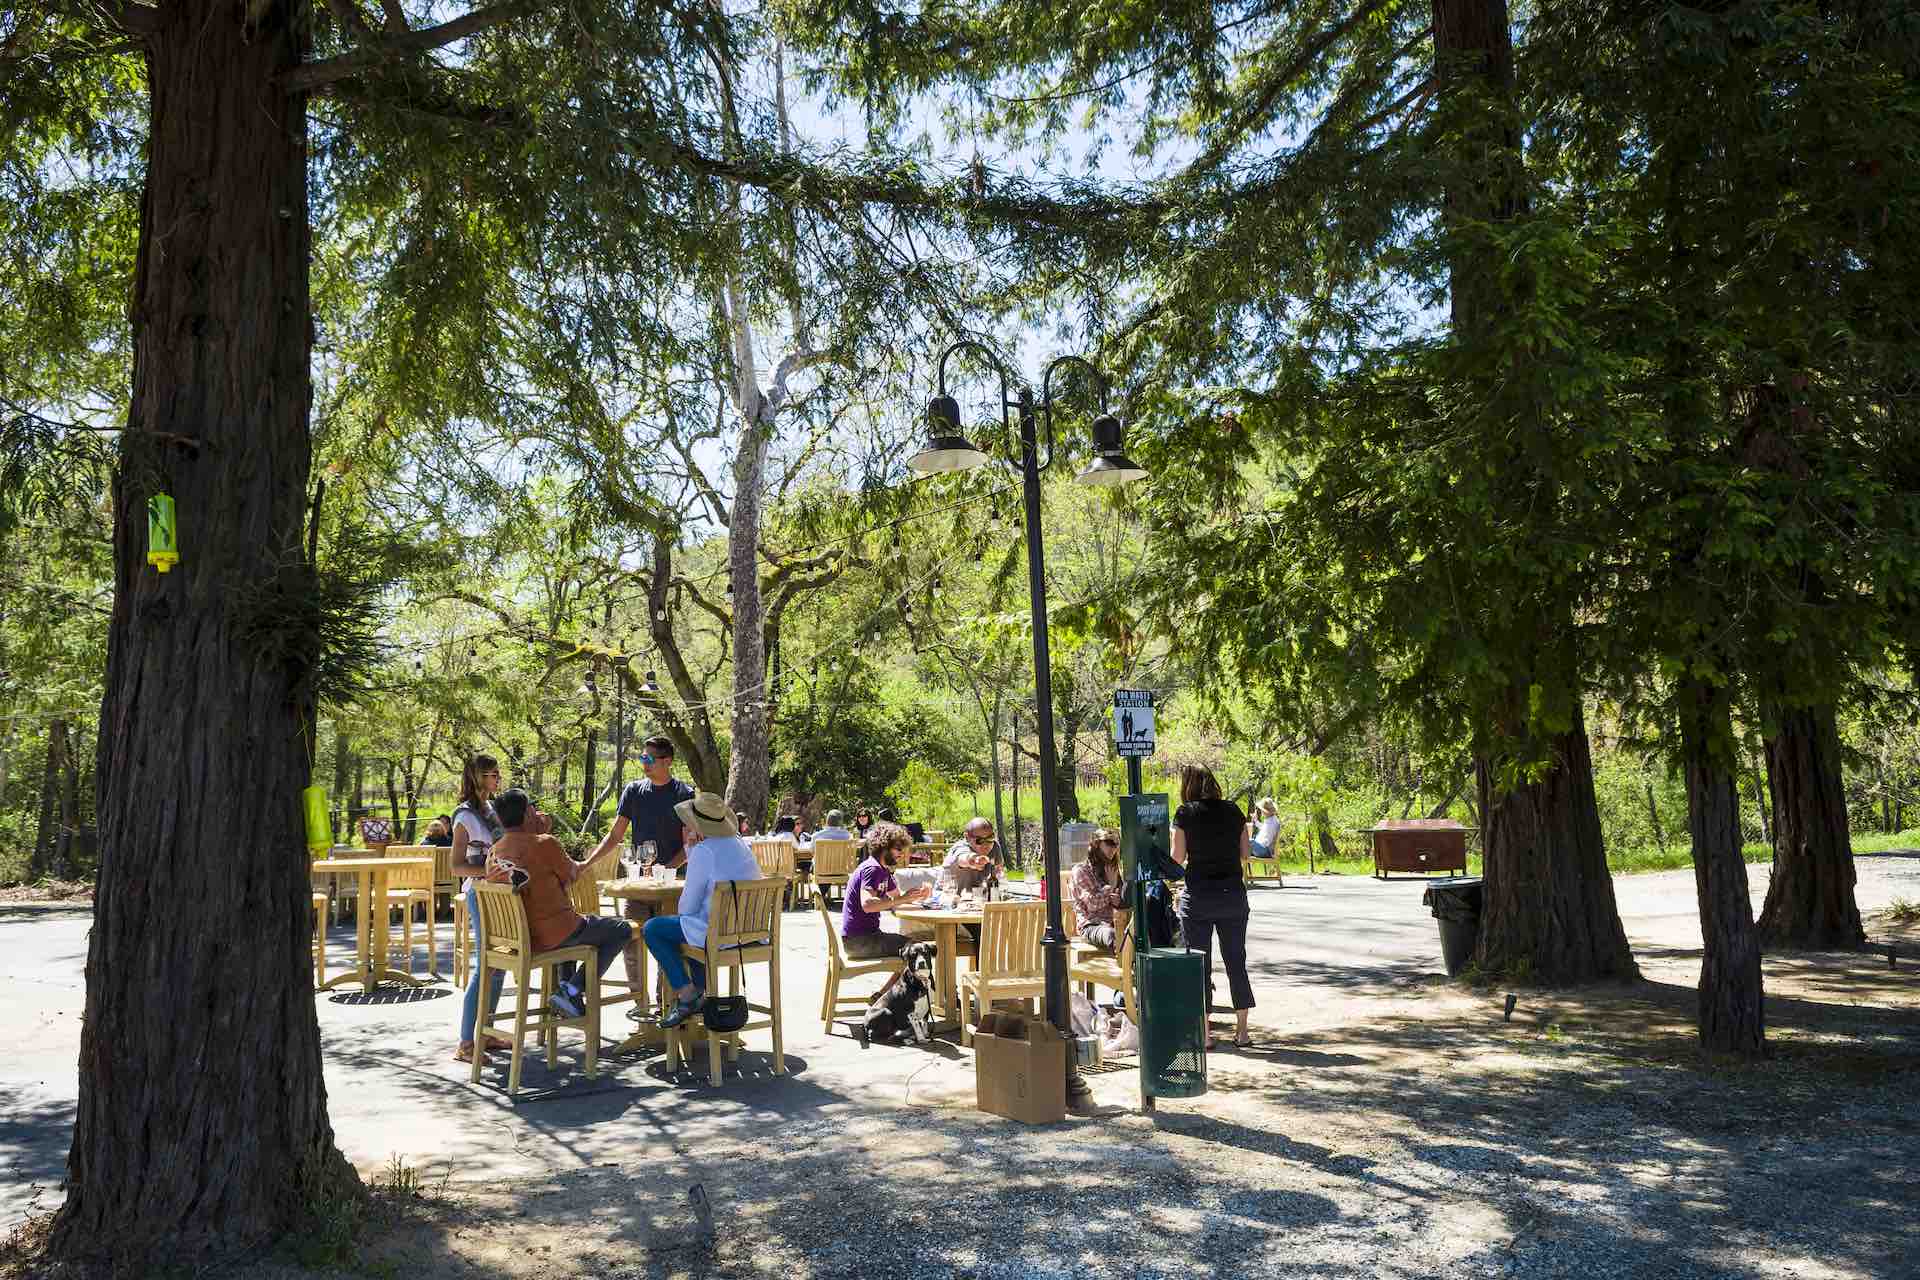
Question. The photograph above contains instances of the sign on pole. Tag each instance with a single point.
(1133, 721)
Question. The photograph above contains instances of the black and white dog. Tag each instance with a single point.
(905, 1006)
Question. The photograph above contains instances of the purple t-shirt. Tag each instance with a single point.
(855, 920)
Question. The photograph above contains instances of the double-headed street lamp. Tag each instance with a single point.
(949, 449)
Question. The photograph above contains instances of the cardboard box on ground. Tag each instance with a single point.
(1020, 1068)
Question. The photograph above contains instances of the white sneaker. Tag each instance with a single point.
(568, 1002)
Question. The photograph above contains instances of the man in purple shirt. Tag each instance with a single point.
(872, 889)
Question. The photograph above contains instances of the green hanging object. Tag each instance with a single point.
(163, 550)
(319, 830)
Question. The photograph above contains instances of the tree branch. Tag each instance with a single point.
(314, 75)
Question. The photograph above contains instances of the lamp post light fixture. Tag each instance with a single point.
(949, 449)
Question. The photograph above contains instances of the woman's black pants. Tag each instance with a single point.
(1221, 909)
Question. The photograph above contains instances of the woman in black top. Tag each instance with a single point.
(1210, 841)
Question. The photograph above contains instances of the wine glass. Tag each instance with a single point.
(649, 854)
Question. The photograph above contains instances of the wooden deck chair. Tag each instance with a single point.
(743, 928)
(319, 941)
(833, 863)
(840, 968)
(1009, 965)
(506, 945)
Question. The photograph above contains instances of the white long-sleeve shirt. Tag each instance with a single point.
(714, 860)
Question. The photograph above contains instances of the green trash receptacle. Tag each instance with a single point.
(1172, 987)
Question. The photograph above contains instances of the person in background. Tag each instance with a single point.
(787, 824)
(862, 824)
(1263, 840)
(916, 830)
(649, 806)
(716, 853)
(745, 830)
(439, 832)
(1210, 841)
(836, 828)
(1095, 890)
(974, 859)
(475, 827)
(872, 889)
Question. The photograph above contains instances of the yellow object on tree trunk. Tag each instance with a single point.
(319, 831)
(163, 551)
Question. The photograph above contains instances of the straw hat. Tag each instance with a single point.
(708, 814)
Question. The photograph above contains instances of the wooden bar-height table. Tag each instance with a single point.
(371, 949)
(946, 931)
(663, 900)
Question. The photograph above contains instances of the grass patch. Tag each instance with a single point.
(338, 1223)
(1904, 912)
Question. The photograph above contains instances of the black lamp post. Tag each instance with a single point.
(948, 449)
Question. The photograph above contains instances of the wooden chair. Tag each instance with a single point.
(937, 838)
(505, 945)
(776, 863)
(1009, 965)
(833, 863)
(1093, 968)
(408, 887)
(839, 967)
(584, 892)
(319, 940)
(743, 928)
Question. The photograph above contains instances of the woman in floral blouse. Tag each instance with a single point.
(1096, 890)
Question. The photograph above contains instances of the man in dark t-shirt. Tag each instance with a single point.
(646, 809)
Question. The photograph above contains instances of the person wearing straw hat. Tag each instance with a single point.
(715, 853)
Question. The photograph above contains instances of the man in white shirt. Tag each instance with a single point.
(836, 828)
(715, 854)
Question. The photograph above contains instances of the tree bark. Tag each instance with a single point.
(342, 753)
(201, 1124)
(590, 775)
(1810, 900)
(1732, 1014)
(749, 762)
(1653, 815)
(46, 830)
(393, 795)
(1549, 912)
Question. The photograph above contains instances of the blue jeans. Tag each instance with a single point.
(470, 1007)
(1258, 850)
(664, 939)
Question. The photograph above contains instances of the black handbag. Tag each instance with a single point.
(726, 1013)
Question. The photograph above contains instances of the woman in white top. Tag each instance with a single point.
(475, 828)
(715, 854)
(1269, 832)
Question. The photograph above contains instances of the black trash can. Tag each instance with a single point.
(1456, 905)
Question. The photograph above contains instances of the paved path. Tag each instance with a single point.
(1323, 951)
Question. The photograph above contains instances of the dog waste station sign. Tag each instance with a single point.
(1133, 722)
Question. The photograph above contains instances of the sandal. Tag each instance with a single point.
(1243, 1042)
(497, 1041)
(465, 1050)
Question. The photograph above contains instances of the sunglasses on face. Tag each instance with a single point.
(979, 839)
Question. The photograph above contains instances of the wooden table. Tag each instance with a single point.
(662, 899)
(371, 948)
(946, 931)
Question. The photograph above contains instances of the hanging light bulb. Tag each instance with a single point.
(651, 686)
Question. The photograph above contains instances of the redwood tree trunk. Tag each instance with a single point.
(1810, 900)
(46, 831)
(1732, 1013)
(202, 1116)
(1549, 911)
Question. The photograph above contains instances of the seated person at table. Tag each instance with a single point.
(862, 824)
(715, 854)
(439, 832)
(974, 859)
(1095, 890)
(787, 824)
(836, 828)
(872, 889)
(745, 830)
(536, 864)
(918, 831)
